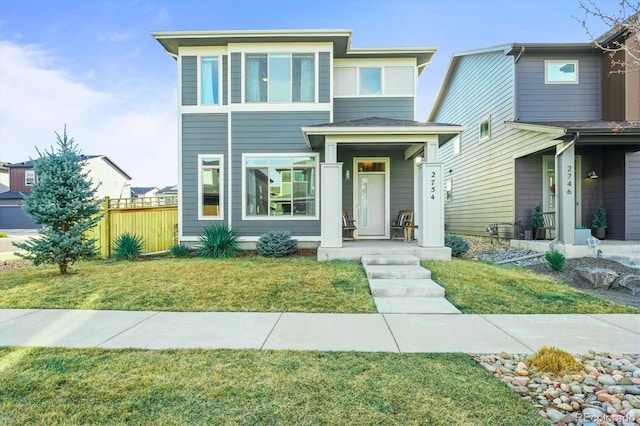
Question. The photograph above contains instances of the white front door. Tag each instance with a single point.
(371, 197)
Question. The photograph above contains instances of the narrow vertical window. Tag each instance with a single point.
(279, 78)
(447, 191)
(456, 145)
(485, 129)
(370, 81)
(256, 78)
(210, 187)
(303, 78)
(29, 177)
(209, 90)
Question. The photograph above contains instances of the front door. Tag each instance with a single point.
(371, 197)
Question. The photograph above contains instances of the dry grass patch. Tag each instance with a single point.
(247, 285)
(479, 288)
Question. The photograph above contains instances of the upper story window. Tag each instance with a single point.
(390, 80)
(29, 177)
(280, 78)
(370, 81)
(561, 72)
(209, 81)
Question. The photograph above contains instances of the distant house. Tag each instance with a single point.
(285, 129)
(4, 177)
(169, 190)
(143, 191)
(544, 123)
(108, 178)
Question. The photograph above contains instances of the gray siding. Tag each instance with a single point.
(236, 77)
(528, 188)
(539, 101)
(324, 78)
(225, 80)
(269, 132)
(613, 191)
(189, 80)
(483, 173)
(201, 134)
(632, 185)
(347, 109)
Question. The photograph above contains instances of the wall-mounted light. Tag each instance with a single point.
(418, 160)
(347, 175)
(592, 174)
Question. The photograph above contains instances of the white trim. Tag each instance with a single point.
(214, 107)
(316, 168)
(575, 62)
(387, 195)
(179, 138)
(220, 167)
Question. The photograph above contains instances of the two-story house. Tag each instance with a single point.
(285, 129)
(543, 123)
(107, 177)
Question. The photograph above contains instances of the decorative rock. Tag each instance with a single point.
(598, 278)
(554, 415)
(630, 283)
(564, 406)
(592, 413)
(606, 379)
(633, 414)
(633, 390)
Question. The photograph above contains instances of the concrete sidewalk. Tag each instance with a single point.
(324, 332)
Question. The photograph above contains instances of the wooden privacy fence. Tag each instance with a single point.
(155, 220)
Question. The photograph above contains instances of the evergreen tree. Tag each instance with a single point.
(63, 202)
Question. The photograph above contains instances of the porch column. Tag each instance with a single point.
(566, 192)
(330, 204)
(430, 208)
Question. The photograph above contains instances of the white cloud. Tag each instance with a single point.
(37, 98)
(116, 37)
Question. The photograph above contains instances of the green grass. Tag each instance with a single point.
(480, 288)
(92, 386)
(254, 284)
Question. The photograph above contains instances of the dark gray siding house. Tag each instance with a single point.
(536, 131)
(266, 116)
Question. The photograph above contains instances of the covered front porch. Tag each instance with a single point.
(373, 168)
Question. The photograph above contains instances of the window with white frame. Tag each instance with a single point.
(456, 145)
(280, 186)
(209, 81)
(374, 81)
(447, 191)
(280, 77)
(485, 129)
(210, 186)
(29, 177)
(370, 81)
(561, 72)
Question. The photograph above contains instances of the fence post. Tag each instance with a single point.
(106, 230)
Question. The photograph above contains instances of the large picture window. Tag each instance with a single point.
(209, 81)
(280, 186)
(210, 188)
(280, 78)
(561, 72)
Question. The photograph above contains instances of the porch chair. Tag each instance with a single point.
(404, 219)
(549, 219)
(348, 226)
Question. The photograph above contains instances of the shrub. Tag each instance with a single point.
(180, 250)
(3, 235)
(218, 241)
(458, 245)
(555, 259)
(127, 246)
(554, 360)
(276, 244)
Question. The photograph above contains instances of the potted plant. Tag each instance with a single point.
(599, 222)
(537, 223)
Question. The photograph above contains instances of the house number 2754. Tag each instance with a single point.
(433, 186)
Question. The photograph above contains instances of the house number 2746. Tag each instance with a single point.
(569, 179)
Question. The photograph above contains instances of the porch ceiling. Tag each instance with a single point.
(588, 132)
(377, 130)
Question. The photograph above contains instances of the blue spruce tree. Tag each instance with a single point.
(63, 202)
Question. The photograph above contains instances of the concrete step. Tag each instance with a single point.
(414, 305)
(405, 288)
(393, 259)
(396, 272)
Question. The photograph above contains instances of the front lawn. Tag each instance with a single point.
(93, 386)
(479, 288)
(256, 284)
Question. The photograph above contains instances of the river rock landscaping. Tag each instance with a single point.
(605, 392)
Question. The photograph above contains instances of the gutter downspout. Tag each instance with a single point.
(519, 54)
(571, 143)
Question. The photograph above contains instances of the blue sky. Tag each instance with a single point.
(94, 66)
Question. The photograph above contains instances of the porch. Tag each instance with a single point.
(354, 250)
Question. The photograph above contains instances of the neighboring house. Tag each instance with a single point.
(143, 191)
(4, 177)
(543, 123)
(109, 179)
(282, 130)
(171, 190)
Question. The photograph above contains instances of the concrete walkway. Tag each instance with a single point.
(324, 332)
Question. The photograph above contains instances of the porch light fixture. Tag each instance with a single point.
(592, 175)
(347, 175)
(418, 160)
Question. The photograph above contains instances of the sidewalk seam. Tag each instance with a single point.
(26, 314)
(507, 333)
(271, 331)
(128, 328)
(384, 317)
(610, 323)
